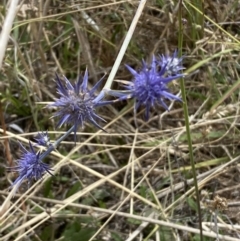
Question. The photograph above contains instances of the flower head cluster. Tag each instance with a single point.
(77, 103)
(29, 166)
(149, 86)
(172, 64)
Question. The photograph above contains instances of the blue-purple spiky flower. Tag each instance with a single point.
(149, 86)
(77, 103)
(42, 139)
(29, 166)
(172, 64)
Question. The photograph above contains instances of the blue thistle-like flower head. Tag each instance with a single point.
(77, 103)
(149, 86)
(172, 64)
(29, 166)
(42, 139)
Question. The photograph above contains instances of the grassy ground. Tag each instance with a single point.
(128, 183)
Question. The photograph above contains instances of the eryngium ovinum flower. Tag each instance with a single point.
(149, 86)
(29, 166)
(77, 103)
(42, 139)
(172, 64)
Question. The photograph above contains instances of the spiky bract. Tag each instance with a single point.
(77, 103)
(29, 166)
(149, 86)
(172, 64)
(42, 139)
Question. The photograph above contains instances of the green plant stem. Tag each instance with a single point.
(199, 17)
(187, 124)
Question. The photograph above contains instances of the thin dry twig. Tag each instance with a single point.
(7, 27)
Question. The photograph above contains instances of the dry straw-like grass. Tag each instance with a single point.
(129, 183)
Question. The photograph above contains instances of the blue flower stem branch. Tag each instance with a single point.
(123, 49)
(187, 123)
(56, 143)
(4, 207)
